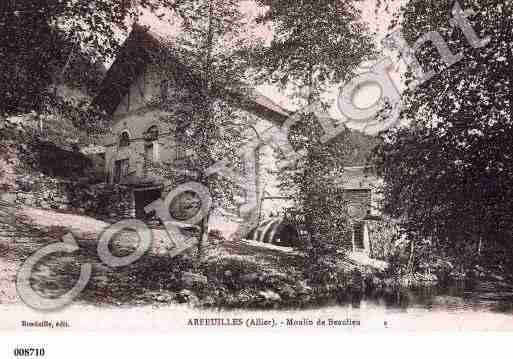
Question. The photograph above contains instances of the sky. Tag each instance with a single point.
(378, 23)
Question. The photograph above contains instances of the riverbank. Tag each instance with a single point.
(230, 274)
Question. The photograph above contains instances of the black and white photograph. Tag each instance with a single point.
(297, 166)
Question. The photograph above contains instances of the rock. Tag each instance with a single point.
(45, 205)
(303, 288)
(249, 278)
(287, 291)
(8, 197)
(193, 279)
(269, 295)
(187, 296)
(164, 297)
(208, 301)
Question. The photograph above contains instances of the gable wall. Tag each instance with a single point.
(138, 117)
(143, 90)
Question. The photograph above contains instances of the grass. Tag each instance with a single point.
(230, 274)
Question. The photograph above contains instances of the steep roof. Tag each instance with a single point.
(133, 57)
(128, 65)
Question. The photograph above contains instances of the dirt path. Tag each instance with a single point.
(232, 267)
(24, 230)
(151, 279)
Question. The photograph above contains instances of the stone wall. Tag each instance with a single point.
(104, 201)
(40, 174)
(382, 236)
(41, 192)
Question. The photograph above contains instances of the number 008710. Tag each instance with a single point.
(29, 352)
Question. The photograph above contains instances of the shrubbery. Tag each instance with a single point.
(383, 235)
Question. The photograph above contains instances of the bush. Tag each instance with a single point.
(229, 271)
(383, 235)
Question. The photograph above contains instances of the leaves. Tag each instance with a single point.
(316, 44)
(449, 174)
(39, 37)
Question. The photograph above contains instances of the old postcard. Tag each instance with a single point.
(199, 166)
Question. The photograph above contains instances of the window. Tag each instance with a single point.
(120, 170)
(181, 149)
(151, 137)
(152, 134)
(183, 138)
(358, 229)
(358, 202)
(148, 156)
(124, 139)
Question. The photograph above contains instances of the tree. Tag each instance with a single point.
(210, 44)
(41, 38)
(448, 174)
(316, 45)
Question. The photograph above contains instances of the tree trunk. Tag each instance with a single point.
(412, 255)
(207, 68)
(203, 235)
(508, 8)
(208, 48)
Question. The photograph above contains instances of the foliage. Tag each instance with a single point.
(314, 182)
(384, 234)
(38, 39)
(448, 175)
(47, 44)
(323, 271)
(315, 45)
(212, 78)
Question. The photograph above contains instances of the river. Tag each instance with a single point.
(455, 297)
(457, 307)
